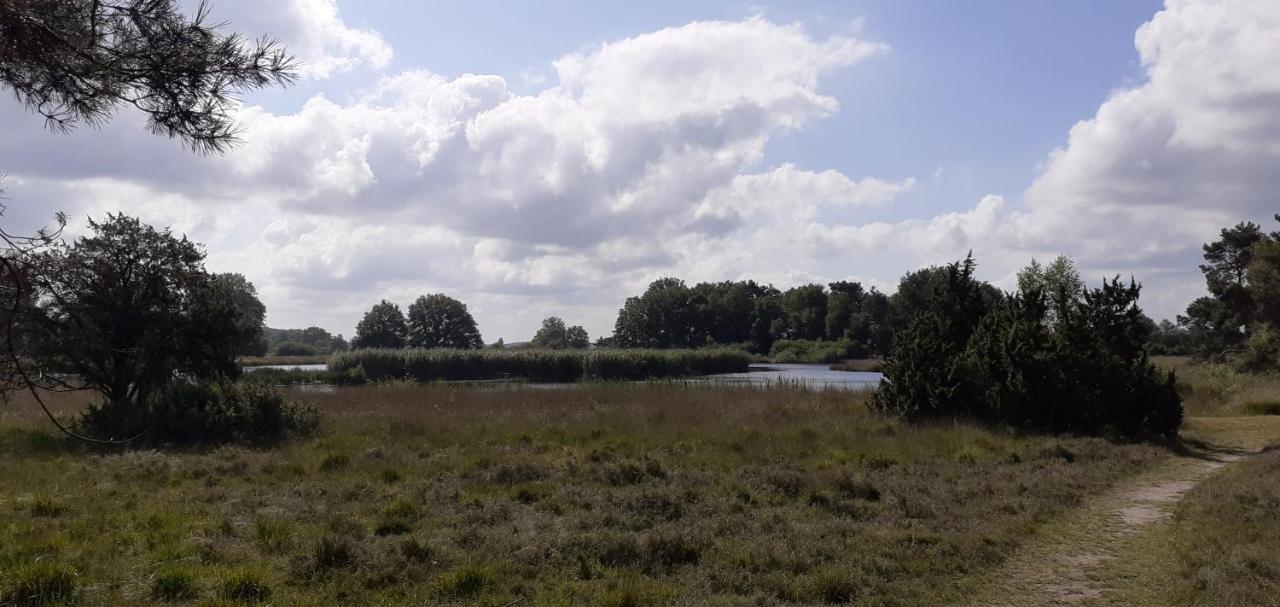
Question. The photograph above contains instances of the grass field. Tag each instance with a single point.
(603, 494)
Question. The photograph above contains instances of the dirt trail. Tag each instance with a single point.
(1057, 568)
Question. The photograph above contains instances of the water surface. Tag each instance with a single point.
(818, 376)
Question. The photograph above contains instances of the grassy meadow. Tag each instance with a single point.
(604, 494)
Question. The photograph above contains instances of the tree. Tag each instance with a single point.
(923, 374)
(665, 316)
(1059, 281)
(1262, 350)
(1221, 322)
(440, 321)
(236, 292)
(871, 326)
(552, 335)
(383, 326)
(77, 61)
(19, 264)
(555, 335)
(805, 309)
(128, 309)
(1263, 277)
(578, 338)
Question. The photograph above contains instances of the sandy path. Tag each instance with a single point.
(1057, 567)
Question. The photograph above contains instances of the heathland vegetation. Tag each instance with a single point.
(166, 477)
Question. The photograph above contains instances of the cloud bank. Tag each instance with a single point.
(643, 157)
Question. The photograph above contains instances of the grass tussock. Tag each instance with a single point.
(603, 494)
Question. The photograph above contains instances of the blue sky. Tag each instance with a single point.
(982, 90)
(552, 158)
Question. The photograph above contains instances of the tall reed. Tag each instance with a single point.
(554, 366)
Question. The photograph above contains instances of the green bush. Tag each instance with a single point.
(545, 366)
(1083, 370)
(192, 414)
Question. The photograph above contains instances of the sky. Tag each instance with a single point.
(553, 158)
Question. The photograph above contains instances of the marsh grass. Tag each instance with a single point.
(551, 366)
(603, 494)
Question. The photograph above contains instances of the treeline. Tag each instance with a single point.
(311, 341)
(1239, 320)
(807, 323)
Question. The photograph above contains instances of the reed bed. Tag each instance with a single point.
(551, 366)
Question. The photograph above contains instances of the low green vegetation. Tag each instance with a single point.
(537, 365)
(606, 494)
(194, 414)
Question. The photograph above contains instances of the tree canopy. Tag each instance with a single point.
(440, 321)
(130, 306)
(554, 335)
(383, 326)
(77, 61)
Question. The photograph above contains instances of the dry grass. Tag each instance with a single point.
(594, 495)
(1217, 389)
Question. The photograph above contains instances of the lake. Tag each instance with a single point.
(318, 367)
(818, 376)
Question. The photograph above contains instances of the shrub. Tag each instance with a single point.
(467, 580)
(174, 584)
(1084, 369)
(191, 414)
(245, 586)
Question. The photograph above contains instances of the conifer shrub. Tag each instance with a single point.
(1058, 362)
